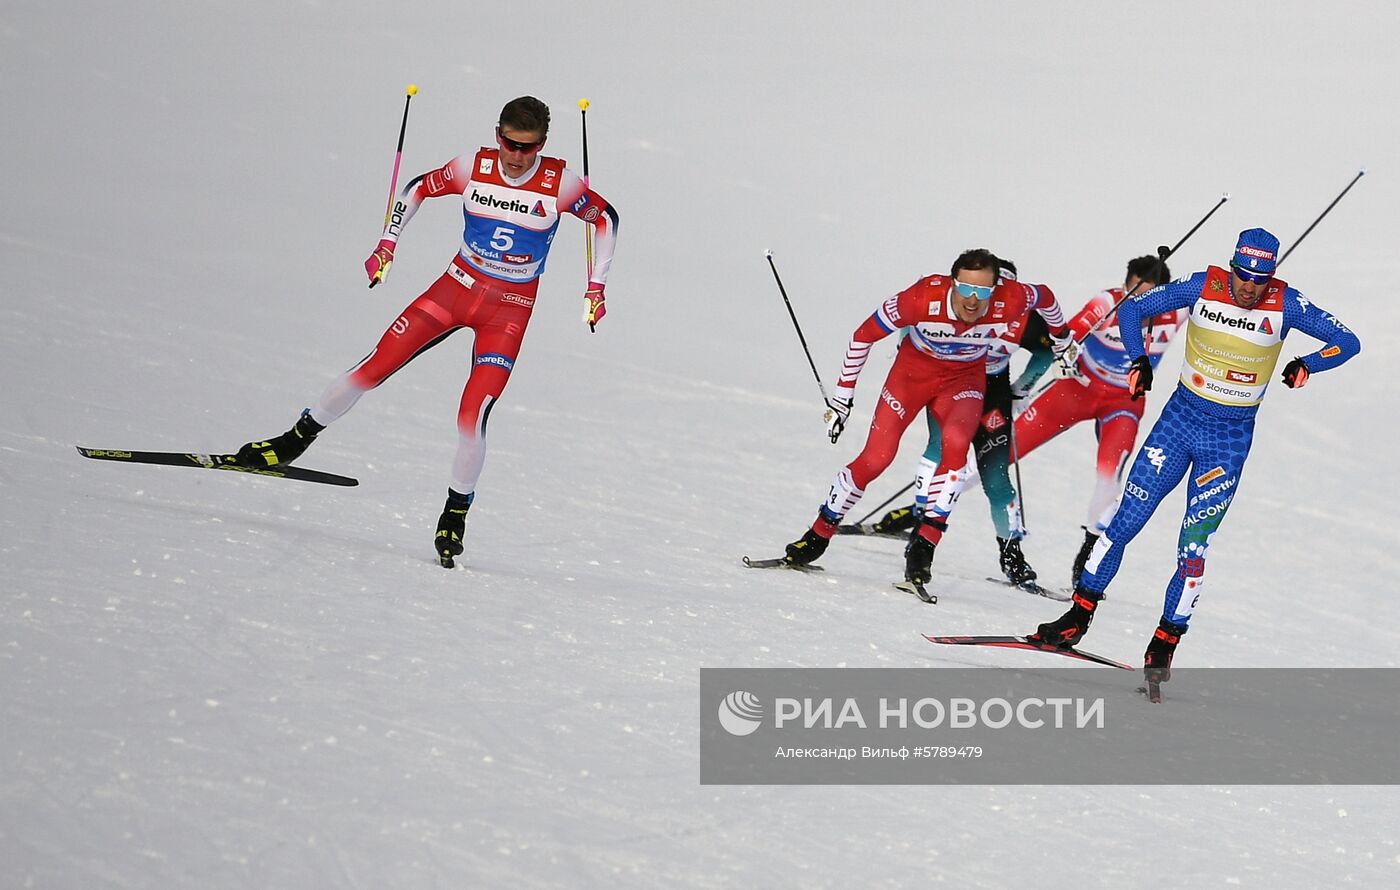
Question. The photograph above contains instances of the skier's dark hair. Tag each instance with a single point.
(974, 260)
(526, 114)
(1150, 269)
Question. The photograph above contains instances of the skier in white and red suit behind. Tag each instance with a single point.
(1098, 391)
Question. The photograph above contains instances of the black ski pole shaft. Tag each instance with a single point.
(1177, 246)
(583, 118)
(793, 315)
(888, 501)
(1163, 253)
(1309, 229)
(409, 92)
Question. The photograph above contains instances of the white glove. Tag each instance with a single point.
(1060, 372)
(1066, 348)
(1066, 355)
(838, 411)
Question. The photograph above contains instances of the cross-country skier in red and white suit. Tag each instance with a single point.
(512, 199)
(940, 366)
(1098, 391)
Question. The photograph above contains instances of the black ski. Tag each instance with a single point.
(213, 462)
(780, 563)
(1009, 642)
(918, 590)
(1035, 588)
(869, 530)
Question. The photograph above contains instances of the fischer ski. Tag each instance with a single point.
(780, 563)
(214, 462)
(1035, 588)
(1010, 642)
(918, 590)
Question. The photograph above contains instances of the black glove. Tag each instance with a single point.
(1139, 377)
(1295, 374)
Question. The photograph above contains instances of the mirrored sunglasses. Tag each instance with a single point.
(514, 145)
(1253, 277)
(973, 291)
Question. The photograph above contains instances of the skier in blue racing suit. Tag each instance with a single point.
(1239, 318)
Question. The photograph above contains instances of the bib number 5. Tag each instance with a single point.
(503, 239)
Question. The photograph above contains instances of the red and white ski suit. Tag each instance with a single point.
(1100, 394)
(940, 366)
(490, 285)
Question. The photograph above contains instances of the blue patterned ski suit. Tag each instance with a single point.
(1207, 426)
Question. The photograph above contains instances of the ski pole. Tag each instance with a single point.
(1016, 463)
(1163, 253)
(410, 92)
(588, 230)
(888, 501)
(793, 315)
(583, 118)
(1321, 215)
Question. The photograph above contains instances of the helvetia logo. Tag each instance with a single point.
(510, 204)
(1222, 319)
(740, 713)
(538, 209)
(1265, 327)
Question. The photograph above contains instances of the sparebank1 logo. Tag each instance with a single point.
(740, 713)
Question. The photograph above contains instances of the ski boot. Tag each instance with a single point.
(452, 524)
(895, 521)
(1013, 563)
(1157, 660)
(281, 449)
(1070, 627)
(809, 548)
(918, 560)
(1082, 557)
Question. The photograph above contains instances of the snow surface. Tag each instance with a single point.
(214, 681)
